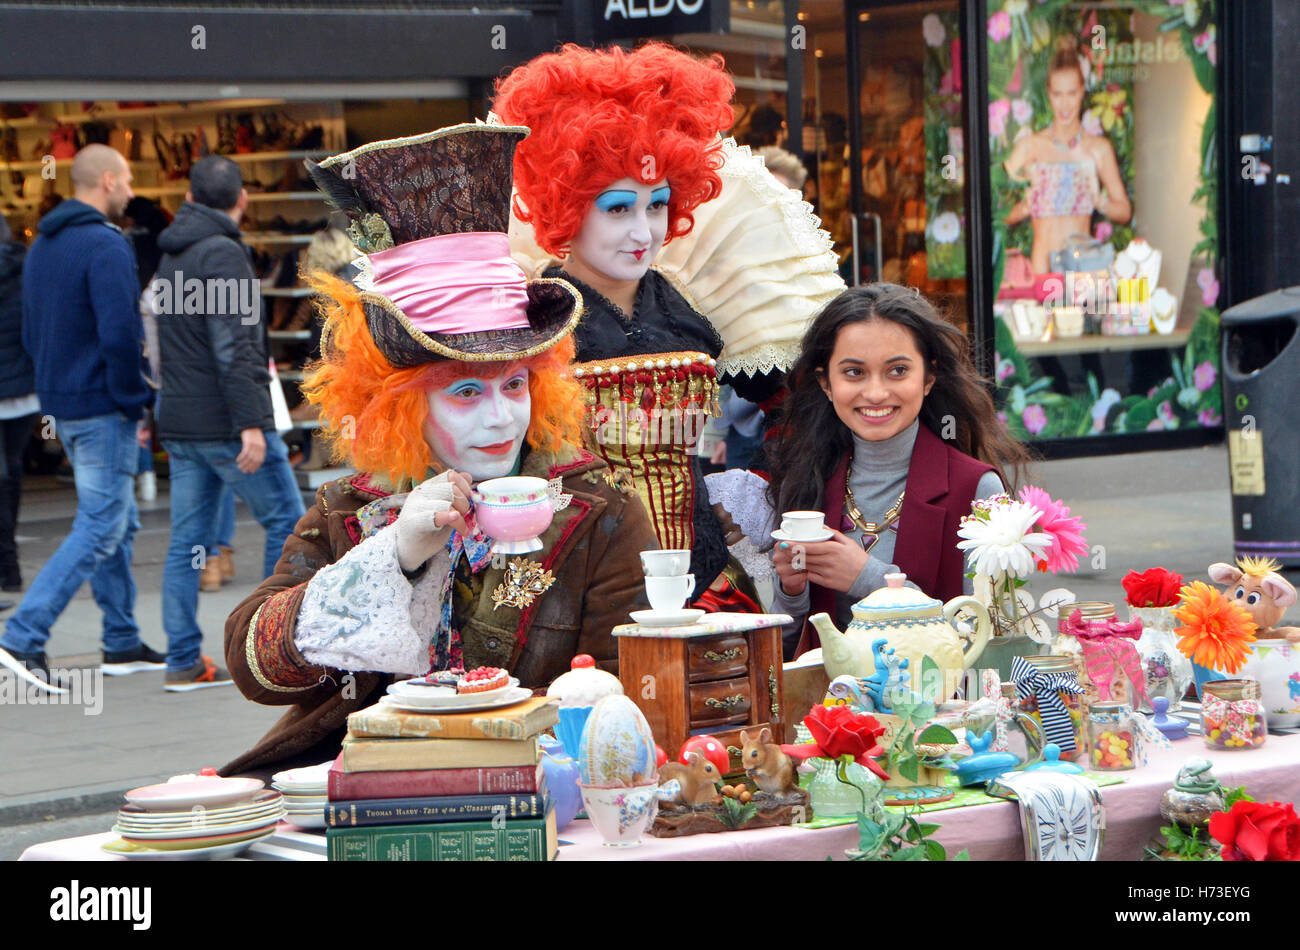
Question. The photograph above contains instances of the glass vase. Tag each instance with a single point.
(837, 789)
(1167, 672)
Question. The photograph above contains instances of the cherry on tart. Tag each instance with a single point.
(483, 678)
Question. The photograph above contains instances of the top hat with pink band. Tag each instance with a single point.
(431, 213)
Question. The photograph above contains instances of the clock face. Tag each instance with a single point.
(1063, 814)
(1065, 819)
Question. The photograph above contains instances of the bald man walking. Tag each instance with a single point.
(82, 328)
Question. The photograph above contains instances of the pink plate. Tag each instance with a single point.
(207, 792)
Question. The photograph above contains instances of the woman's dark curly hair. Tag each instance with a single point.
(812, 439)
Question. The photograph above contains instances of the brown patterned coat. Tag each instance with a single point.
(592, 548)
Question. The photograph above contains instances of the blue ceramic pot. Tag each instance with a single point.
(573, 719)
(561, 780)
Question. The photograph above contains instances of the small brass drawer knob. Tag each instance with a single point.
(714, 657)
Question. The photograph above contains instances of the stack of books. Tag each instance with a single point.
(442, 786)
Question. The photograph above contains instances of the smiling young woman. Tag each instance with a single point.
(897, 435)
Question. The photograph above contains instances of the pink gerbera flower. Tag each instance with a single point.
(1066, 532)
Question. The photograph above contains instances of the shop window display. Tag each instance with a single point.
(1101, 125)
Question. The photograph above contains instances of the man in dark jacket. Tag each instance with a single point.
(18, 404)
(82, 328)
(214, 413)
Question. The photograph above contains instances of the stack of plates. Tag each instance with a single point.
(202, 819)
(304, 793)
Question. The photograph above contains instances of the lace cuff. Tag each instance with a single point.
(358, 612)
(744, 495)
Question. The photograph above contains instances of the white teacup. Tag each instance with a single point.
(671, 563)
(803, 525)
(669, 593)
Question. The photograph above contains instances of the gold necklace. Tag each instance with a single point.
(870, 529)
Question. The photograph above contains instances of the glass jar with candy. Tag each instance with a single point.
(1114, 743)
(1232, 715)
(1047, 688)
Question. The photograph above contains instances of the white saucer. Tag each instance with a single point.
(467, 702)
(782, 536)
(666, 618)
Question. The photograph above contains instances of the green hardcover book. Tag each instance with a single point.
(520, 839)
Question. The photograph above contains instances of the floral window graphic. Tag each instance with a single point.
(1104, 178)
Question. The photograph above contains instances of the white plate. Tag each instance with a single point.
(434, 698)
(215, 853)
(821, 536)
(207, 792)
(307, 821)
(197, 831)
(307, 778)
(666, 618)
(491, 700)
(136, 824)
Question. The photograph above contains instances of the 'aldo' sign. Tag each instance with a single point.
(633, 19)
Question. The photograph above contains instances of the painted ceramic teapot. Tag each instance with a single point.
(915, 625)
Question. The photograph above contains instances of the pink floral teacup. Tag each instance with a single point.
(514, 511)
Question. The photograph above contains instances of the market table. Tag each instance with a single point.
(990, 832)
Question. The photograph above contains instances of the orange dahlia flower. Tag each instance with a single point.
(1216, 632)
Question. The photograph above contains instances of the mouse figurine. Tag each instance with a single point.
(769, 767)
(698, 779)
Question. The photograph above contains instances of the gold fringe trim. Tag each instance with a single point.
(250, 656)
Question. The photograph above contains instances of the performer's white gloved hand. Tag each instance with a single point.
(436, 505)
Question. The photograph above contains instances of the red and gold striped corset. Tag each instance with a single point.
(644, 416)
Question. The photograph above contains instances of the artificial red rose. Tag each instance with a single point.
(1258, 831)
(836, 732)
(1154, 588)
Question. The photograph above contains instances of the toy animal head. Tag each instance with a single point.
(752, 752)
(700, 766)
(1255, 585)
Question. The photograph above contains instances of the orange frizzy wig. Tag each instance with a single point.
(600, 115)
(373, 413)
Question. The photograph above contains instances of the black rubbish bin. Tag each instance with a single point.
(1261, 401)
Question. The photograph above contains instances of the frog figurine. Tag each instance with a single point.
(1196, 796)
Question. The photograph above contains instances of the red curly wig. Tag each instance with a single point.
(373, 413)
(600, 115)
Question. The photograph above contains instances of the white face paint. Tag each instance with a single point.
(624, 229)
(477, 425)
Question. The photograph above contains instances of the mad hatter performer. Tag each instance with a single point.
(625, 169)
(443, 359)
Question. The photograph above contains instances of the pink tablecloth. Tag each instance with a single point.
(990, 832)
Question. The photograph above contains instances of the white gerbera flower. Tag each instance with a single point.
(947, 228)
(1004, 544)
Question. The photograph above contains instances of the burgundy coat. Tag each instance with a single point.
(941, 483)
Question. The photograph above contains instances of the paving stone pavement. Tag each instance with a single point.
(1167, 508)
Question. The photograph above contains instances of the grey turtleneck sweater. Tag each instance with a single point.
(877, 478)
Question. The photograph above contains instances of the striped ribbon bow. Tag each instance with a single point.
(1046, 688)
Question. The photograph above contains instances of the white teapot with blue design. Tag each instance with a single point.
(915, 626)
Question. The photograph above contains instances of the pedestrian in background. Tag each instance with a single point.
(214, 414)
(18, 402)
(142, 222)
(82, 329)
